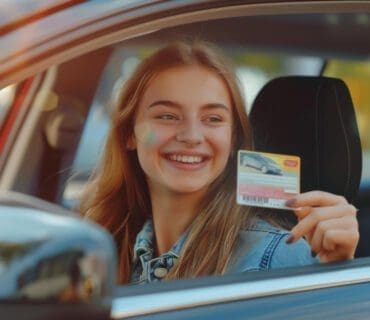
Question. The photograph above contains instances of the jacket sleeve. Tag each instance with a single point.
(289, 255)
(264, 247)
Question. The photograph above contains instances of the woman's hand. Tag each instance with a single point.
(329, 224)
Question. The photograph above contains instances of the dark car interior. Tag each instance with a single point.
(313, 117)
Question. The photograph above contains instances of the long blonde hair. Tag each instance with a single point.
(117, 196)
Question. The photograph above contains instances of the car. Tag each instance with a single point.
(262, 163)
(60, 63)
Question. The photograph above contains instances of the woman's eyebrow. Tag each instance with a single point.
(208, 106)
(215, 105)
(167, 103)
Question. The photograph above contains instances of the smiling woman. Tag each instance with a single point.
(165, 187)
(189, 130)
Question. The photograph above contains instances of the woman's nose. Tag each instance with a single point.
(190, 132)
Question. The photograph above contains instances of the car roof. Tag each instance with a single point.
(14, 12)
(38, 30)
(18, 13)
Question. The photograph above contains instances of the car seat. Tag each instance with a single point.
(314, 118)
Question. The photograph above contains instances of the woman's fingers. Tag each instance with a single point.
(302, 212)
(316, 215)
(315, 199)
(326, 234)
(327, 222)
(344, 241)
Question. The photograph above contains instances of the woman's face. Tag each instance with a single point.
(183, 130)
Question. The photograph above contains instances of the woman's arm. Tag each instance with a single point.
(329, 224)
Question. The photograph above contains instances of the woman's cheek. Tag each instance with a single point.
(147, 135)
(222, 138)
(150, 137)
(156, 137)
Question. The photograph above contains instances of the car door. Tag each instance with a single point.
(295, 293)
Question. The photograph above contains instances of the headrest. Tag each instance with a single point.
(312, 117)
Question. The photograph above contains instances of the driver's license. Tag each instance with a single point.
(267, 179)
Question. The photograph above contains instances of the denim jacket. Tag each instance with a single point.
(260, 247)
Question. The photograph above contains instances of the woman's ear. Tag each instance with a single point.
(131, 143)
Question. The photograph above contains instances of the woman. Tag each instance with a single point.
(166, 184)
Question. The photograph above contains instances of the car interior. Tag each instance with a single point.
(58, 120)
(312, 117)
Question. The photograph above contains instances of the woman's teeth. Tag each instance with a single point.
(186, 159)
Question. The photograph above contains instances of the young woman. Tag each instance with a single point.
(166, 184)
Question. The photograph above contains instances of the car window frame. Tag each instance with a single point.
(135, 301)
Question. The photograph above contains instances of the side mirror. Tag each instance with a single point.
(54, 261)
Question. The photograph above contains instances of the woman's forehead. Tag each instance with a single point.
(183, 84)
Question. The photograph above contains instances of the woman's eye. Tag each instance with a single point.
(213, 119)
(167, 116)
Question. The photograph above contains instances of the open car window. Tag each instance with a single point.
(82, 91)
(254, 69)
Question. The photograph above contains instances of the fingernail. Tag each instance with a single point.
(290, 202)
(313, 254)
(290, 239)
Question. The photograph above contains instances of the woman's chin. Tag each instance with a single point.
(188, 189)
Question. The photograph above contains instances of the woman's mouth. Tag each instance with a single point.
(186, 161)
(186, 158)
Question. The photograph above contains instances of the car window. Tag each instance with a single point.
(76, 98)
(356, 74)
(254, 70)
(255, 66)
